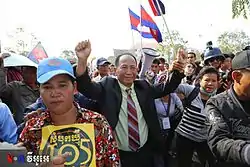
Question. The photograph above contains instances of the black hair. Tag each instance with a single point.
(208, 70)
(73, 80)
(156, 61)
(192, 54)
(117, 60)
(162, 60)
(229, 55)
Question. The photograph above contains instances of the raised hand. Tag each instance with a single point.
(177, 65)
(181, 56)
(83, 50)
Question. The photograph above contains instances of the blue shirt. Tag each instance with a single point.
(8, 127)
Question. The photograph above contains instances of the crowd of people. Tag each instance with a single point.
(145, 114)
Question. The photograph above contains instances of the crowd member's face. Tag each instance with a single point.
(166, 67)
(191, 58)
(58, 94)
(215, 62)
(209, 82)
(155, 68)
(189, 69)
(242, 83)
(103, 69)
(29, 75)
(112, 69)
(161, 67)
(227, 64)
(126, 71)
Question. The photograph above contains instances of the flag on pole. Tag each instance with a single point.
(147, 21)
(38, 53)
(157, 7)
(135, 21)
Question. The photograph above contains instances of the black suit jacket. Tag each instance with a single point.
(109, 96)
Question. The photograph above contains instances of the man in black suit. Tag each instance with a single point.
(128, 105)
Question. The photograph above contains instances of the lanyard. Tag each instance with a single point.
(167, 109)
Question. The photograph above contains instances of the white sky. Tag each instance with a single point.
(61, 24)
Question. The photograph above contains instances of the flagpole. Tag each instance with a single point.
(165, 22)
(133, 39)
(141, 24)
(141, 53)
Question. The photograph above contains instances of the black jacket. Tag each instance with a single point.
(107, 92)
(229, 132)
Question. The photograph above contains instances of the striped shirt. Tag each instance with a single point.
(13, 74)
(193, 122)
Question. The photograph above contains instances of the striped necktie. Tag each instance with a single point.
(133, 128)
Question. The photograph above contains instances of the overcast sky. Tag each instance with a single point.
(61, 24)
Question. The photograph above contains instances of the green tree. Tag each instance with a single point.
(233, 41)
(240, 8)
(69, 55)
(166, 49)
(111, 59)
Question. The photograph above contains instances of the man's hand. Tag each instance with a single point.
(180, 62)
(176, 65)
(83, 50)
(182, 56)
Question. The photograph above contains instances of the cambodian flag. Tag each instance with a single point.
(135, 22)
(38, 53)
(147, 21)
(157, 7)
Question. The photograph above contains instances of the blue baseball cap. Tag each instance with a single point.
(50, 67)
(101, 61)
